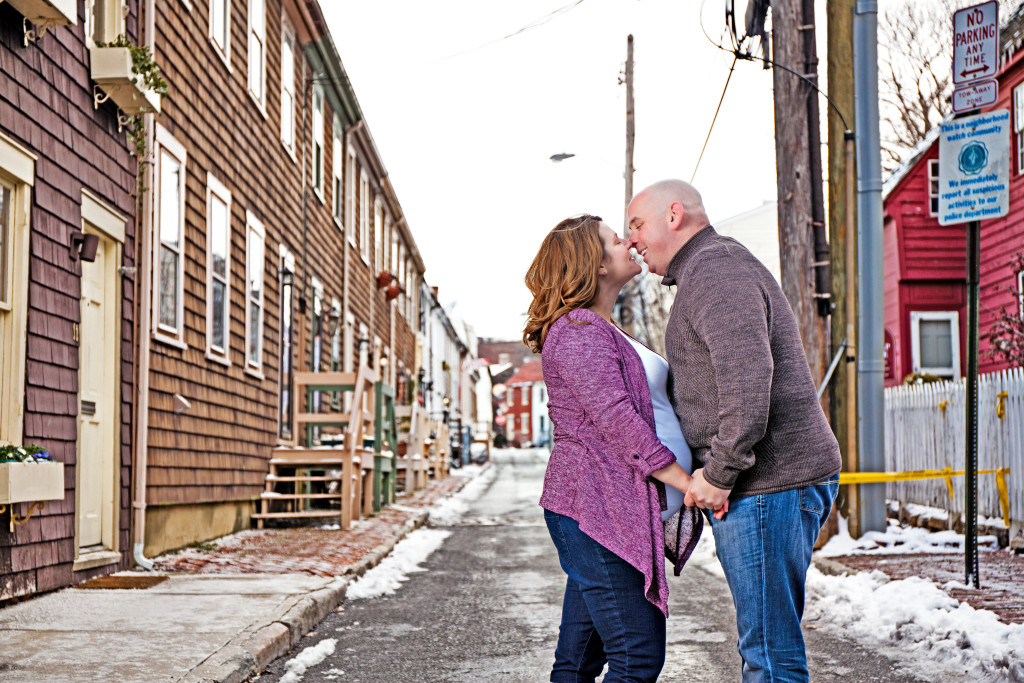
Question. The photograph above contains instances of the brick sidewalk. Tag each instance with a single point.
(305, 550)
(1001, 573)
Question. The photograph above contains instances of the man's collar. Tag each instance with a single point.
(676, 264)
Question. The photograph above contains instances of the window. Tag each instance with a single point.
(400, 301)
(364, 217)
(378, 228)
(220, 28)
(258, 51)
(218, 267)
(336, 339)
(318, 140)
(935, 343)
(336, 187)
(524, 394)
(316, 360)
(364, 350)
(350, 195)
(169, 266)
(104, 20)
(1020, 293)
(1018, 124)
(255, 242)
(285, 389)
(386, 240)
(17, 177)
(288, 89)
(933, 187)
(347, 342)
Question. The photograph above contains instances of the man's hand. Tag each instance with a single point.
(704, 495)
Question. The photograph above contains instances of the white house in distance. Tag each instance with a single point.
(757, 230)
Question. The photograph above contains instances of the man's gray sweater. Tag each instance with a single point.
(739, 380)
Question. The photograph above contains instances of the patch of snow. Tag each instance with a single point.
(898, 540)
(916, 615)
(448, 510)
(388, 576)
(295, 668)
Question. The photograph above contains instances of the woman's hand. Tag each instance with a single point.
(707, 496)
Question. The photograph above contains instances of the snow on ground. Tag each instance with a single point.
(912, 615)
(413, 551)
(448, 510)
(898, 540)
(311, 656)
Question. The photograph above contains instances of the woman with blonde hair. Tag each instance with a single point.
(617, 443)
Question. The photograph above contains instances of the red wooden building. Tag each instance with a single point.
(526, 412)
(925, 263)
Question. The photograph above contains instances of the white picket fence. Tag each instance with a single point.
(925, 429)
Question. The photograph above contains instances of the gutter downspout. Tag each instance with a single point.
(143, 241)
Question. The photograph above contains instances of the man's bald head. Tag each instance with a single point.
(662, 218)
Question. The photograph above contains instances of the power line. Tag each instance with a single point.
(533, 24)
(717, 109)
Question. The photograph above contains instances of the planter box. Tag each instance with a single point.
(48, 13)
(23, 482)
(111, 69)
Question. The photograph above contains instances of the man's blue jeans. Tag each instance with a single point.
(605, 615)
(764, 544)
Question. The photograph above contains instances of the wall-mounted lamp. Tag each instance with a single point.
(287, 278)
(384, 359)
(331, 322)
(83, 246)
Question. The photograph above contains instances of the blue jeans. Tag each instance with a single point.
(605, 614)
(764, 544)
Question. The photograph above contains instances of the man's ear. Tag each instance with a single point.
(675, 215)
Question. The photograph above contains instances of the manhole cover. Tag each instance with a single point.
(130, 582)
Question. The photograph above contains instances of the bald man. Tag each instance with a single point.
(741, 387)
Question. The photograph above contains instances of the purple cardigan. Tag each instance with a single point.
(605, 446)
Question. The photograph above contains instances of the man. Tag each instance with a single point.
(741, 387)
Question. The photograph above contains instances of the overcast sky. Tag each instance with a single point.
(466, 126)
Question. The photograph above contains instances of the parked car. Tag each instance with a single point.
(478, 452)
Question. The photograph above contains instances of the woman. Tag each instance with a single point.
(604, 489)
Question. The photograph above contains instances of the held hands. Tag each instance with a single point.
(704, 495)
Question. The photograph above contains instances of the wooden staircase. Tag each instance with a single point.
(343, 471)
(412, 466)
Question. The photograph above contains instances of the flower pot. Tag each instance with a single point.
(22, 482)
(48, 13)
(111, 69)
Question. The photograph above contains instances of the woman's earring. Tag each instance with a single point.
(602, 271)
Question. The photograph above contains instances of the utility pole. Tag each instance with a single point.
(843, 238)
(803, 254)
(630, 134)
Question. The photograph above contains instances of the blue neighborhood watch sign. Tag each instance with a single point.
(974, 167)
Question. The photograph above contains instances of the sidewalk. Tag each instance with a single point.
(220, 611)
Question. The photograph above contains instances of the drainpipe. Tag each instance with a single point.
(142, 301)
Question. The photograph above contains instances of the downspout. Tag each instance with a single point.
(142, 240)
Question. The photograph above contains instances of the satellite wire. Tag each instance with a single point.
(717, 109)
(533, 24)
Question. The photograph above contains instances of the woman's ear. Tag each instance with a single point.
(602, 271)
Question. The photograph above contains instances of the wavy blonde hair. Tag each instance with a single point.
(563, 275)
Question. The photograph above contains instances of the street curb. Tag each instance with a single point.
(831, 567)
(250, 652)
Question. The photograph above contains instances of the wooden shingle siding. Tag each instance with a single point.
(46, 105)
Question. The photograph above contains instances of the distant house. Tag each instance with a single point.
(925, 263)
(757, 230)
(526, 406)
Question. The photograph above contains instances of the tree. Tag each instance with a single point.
(1006, 335)
(915, 76)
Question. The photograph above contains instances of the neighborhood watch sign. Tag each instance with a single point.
(974, 167)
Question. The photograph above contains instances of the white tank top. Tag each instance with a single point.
(665, 421)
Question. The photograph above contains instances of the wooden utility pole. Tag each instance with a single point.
(630, 134)
(841, 214)
(798, 164)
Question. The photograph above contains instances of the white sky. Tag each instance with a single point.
(467, 138)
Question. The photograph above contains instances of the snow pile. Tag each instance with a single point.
(915, 615)
(898, 540)
(388, 576)
(311, 656)
(448, 511)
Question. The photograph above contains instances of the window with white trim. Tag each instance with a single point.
(1020, 293)
(255, 251)
(288, 87)
(318, 140)
(1018, 124)
(258, 51)
(364, 217)
(524, 393)
(104, 20)
(933, 187)
(17, 178)
(935, 343)
(378, 228)
(220, 28)
(364, 347)
(400, 301)
(350, 195)
(169, 225)
(336, 188)
(385, 249)
(393, 266)
(218, 270)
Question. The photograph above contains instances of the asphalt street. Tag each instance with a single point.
(487, 609)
